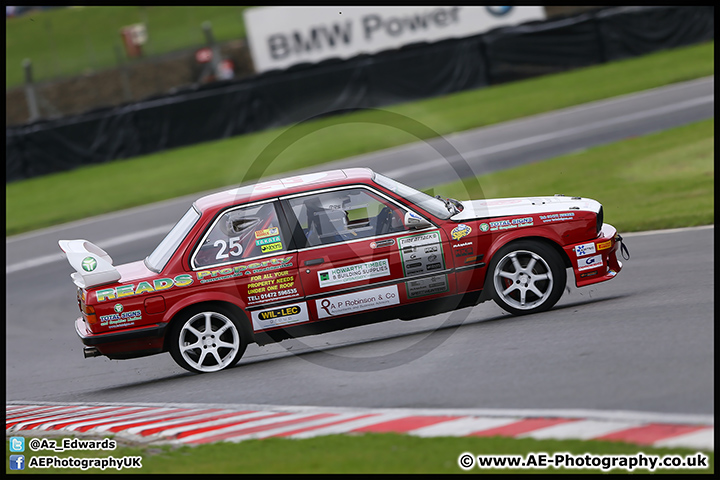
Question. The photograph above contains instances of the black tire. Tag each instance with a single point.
(197, 352)
(521, 290)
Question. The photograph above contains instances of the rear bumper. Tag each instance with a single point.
(596, 261)
(92, 339)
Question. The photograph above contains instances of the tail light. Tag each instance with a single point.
(90, 316)
(88, 311)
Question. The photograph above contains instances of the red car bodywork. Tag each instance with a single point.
(304, 289)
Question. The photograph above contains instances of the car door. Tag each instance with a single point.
(247, 253)
(358, 254)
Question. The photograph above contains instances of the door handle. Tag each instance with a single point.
(314, 261)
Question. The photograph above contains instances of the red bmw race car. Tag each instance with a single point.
(327, 251)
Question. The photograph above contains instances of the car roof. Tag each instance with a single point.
(284, 186)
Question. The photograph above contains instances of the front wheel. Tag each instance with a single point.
(207, 340)
(527, 277)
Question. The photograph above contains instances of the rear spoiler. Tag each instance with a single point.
(93, 266)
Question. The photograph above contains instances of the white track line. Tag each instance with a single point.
(583, 430)
(699, 439)
(462, 426)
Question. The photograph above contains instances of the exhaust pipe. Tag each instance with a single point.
(91, 352)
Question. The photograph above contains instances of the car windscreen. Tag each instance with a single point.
(422, 200)
(157, 260)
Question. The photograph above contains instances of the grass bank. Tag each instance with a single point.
(116, 185)
(663, 180)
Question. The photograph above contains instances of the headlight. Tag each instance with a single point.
(599, 220)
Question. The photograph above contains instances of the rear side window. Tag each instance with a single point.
(240, 234)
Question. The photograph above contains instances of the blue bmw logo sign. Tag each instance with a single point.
(499, 11)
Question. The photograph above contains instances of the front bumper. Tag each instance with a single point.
(596, 261)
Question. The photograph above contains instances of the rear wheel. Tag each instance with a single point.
(527, 277)
(207, 339)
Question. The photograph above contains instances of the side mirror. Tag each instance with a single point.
(415, 221)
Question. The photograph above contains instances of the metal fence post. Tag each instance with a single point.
(124, 80)
(215, 61)
(30, 91)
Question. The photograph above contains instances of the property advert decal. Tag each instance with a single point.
(272, 286)
(143, 287)
(218, 274)
(357, 302)
(354, 273)
(285, 315)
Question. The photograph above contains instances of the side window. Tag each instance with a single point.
(240, 234)
(344, 215)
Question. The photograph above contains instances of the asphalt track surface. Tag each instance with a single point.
(642, 342)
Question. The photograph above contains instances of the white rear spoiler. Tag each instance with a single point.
(92, 264)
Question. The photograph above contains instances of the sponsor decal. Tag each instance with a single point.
(275, 317)
(280, 37)
(266, 240)
(464, 252)
(120, 319)
(118, 308)
(89, 264)
(584, 249)
(522, 222)
(464, 244)
(357, 302)
(206, 276)
(354, 273)
(143, 287)
(271, 286)
(604, 245)
(427, 286)
(589, 262)
(414, 216)
(460, 231)
(557, 217)
(512, 223)
(383, 243)
(272, 247)
(268, 232)
(421, 253)
(589, 274)
(484, 227)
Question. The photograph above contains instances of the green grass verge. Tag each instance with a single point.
(369, 453)
(69, 41)
(102, 188)
(663, 180)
